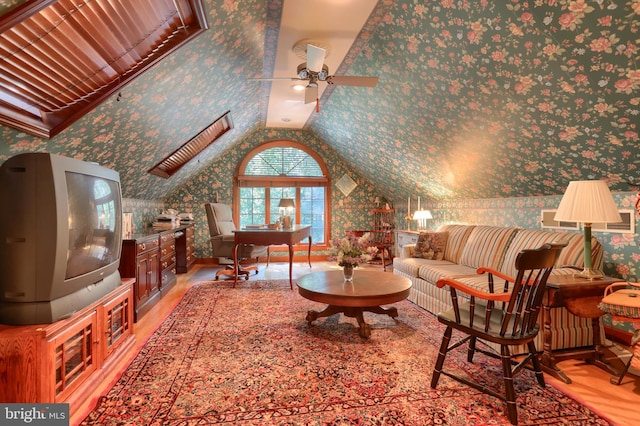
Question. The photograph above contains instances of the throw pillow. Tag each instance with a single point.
(431, 245)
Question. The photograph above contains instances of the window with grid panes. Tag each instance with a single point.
(284, 169)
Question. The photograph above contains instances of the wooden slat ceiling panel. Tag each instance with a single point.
(194, 146)
(60, 59)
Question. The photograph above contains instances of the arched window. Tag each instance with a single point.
(283, 169)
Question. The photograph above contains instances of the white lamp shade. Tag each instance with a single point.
(588, 201)
(422, 214)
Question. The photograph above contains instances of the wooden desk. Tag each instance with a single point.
(581, 297)
(368, 291)
(269, 237)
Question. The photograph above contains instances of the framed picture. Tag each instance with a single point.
(345, 184)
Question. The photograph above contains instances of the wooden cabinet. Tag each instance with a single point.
(61, 362)
(185, 250)
(404, 238)
(167, 260)
(140, 259)
(118, 321)
(154, 259)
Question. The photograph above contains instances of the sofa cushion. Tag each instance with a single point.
(481, 282)
(431, 245)
(432, 272)
(456, 239)
(411, 265)
(571, 255)
(486, 246)
(529, 239)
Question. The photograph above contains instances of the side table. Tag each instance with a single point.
(581, 297)
(624, 305)
(405, 237)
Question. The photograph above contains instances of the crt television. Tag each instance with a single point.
(60, 236)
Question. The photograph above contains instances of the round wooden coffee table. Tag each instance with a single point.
(367, 292)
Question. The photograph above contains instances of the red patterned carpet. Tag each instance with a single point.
(247, 356)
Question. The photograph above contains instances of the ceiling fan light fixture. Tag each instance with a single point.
(322, 75)
(303, 73)
(298, 87)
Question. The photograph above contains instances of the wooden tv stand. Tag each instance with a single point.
(63, 361)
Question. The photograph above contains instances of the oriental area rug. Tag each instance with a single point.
(246, 355)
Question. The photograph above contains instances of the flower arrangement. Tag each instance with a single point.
(352, 250)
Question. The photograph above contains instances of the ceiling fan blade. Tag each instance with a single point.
(315, 58)
(311, 93)
(348, 80)
(276, 79)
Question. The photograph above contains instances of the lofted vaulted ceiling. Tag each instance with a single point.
(474, 99)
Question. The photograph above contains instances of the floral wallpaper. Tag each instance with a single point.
(494, 99)
(144, 213)
(479, 104)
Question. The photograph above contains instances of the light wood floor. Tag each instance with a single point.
(590, 384)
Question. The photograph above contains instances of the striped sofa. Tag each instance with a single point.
(469, 247)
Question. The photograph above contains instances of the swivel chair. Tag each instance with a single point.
(221, 227)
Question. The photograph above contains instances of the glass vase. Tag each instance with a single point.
(347, 271)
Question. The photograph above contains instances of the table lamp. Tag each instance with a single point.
(587, 202)
(421, 216)
(286, 206)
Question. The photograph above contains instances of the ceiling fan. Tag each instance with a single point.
(315, 70)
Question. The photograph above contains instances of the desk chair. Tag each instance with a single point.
(506, 316)
(221, 227)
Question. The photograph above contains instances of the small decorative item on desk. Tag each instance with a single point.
(351, 251)
(166, 221)
(286, 222)
(185, 218)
